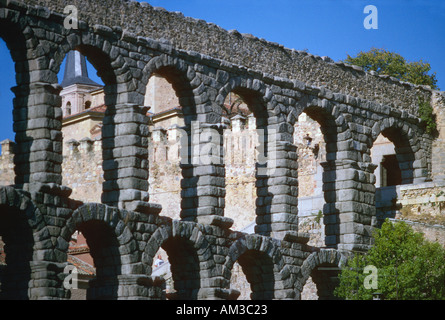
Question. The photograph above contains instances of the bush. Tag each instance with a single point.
(408, 267)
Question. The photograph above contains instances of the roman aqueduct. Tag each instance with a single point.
(127, 42)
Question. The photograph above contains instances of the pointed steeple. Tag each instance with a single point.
(76, 70)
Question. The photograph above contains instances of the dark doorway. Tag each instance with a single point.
(390, 171)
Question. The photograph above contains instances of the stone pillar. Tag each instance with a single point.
(125, 155)
(218, 294)
(127, 287)
(47, 281)
(203, 188)
(349, 212)
(277, 185)
(37, 124)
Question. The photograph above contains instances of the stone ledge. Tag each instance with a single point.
(297, 237)
(143, 207)
(51, 188)
(222, 222)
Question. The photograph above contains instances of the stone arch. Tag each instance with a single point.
(263, 265)
(200, 118)
(183, 80)
(125, 123)
(189, 255)
(332, 123)
(337, 137)
(111, 242)
(26, 239)
(259, 99)
(91, 47)
(408, 147)
(160, 236)
(181, 75)
(114, 219)
(100, 50)
(103, 53)
(323, 266)
(254, 92)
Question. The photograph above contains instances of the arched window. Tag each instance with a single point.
(87, 105)
(68, 108)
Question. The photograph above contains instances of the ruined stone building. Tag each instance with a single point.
(307, 157)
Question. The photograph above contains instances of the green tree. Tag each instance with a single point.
(389, 63)
(408, 267)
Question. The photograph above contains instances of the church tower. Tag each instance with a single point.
(82, 101)
(77, 86)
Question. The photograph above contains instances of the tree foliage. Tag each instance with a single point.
(408, 267)
(426, 113)
(393, 64)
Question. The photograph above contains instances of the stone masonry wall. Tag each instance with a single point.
(243, 49)
(82, 170)
(438, 104)
(7, 163)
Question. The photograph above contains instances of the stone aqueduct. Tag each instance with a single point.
(125, 231)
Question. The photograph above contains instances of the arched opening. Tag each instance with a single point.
(16, 242)
(85, 100)
(317, 136)
(394, 157)
(185, 281)
(240, 158)
(311, 148)
(165, 122)
(321, 283)
(170, 95)
(79, 256)
(258, 269)
(7, 81)
(245, 160)
(320, 275)
(161, 268)
(239, 282)
(104, 250)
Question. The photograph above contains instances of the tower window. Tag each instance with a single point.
(68, 108)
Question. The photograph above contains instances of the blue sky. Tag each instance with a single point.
(413, 28)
